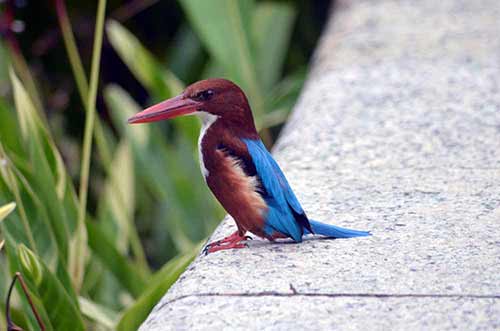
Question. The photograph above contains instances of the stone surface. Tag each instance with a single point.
(397, 131)
(328, 313)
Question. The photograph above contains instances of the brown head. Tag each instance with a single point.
(215, 96)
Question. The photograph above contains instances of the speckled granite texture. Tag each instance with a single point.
(397, 131)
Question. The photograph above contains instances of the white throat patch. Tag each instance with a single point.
(207, 120)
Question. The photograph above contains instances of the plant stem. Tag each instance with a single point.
(74, 57)
(10, 324)
(83, 89)
(81, 80)
(80, 77)
(87, 138)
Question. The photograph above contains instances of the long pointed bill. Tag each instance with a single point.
(165, 110)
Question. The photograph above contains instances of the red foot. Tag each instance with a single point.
(213, 249)
(231, 238)
(230, 242)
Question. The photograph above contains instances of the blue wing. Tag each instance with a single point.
(285, 213)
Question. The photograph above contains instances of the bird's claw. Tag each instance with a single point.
(222, 245)
(234, 245)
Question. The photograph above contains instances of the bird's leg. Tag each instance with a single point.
(232, 241)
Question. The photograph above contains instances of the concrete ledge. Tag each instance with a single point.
(397, 132)
(327, 313)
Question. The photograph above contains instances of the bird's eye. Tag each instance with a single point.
(204, 95)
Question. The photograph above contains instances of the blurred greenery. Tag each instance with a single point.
(99, 234)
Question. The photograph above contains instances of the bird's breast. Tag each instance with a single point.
(237, 192)
(207, 121)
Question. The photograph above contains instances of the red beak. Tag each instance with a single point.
(165, 110)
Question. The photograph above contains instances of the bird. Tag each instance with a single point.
(237, 167)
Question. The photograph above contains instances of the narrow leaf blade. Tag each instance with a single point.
(224, 26)
(6, 210)
(161, 282)
(128, 276)
(98, 313)
(272, 24)
(142, 63)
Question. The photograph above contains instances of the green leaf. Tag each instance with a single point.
(60, 309)
(30, 264)
(212, 69)
(18, 62)
(141, 62)
(159, 284)
(224, 26)
(31, 224)
(282, 98)
(50, 176)
(118, 204)
(122, 107)
(185, 55)
(119, 195)
(285, 93)
(272, 25)
(125, 273)
(29, 118)
(6, 210)
(34, 127)
(276, 117)
(18, 317)
(3, 322)
(9, 128)
(98, 313)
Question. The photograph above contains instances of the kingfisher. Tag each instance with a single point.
(237, 167)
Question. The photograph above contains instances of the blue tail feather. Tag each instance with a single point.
(334, 231)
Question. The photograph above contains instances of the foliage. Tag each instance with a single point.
(86, 266)
(255, 33)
